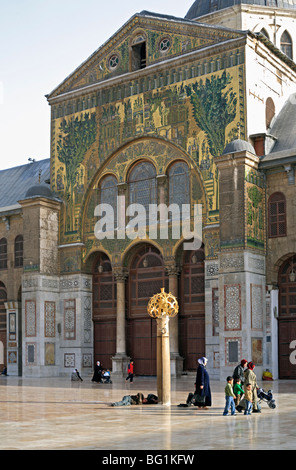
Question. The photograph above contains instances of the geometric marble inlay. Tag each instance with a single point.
(70, 319)
(232, 307)
(256, 307)
(30, 318)
(49, 320)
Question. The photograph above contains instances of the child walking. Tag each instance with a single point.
(229, 397)
(248, 399)
(130, 371)
(238, 391)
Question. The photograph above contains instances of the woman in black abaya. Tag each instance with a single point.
(202, 385)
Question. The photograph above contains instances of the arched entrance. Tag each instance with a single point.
(147, 276)
(287, 318)
(192, 308)
(104, 311)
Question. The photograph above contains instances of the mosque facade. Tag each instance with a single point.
(194, 114)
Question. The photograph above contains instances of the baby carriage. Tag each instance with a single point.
(267, 397)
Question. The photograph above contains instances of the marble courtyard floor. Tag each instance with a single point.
(57, 414)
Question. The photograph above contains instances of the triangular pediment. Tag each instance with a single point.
(165, 38)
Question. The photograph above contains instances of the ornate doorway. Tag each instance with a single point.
(192, 311)
(287, 318)
(146, 278)
(104, 311)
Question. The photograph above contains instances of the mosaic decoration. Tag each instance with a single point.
(87, 315)
(215, 311)
(30, 318)
(255, 204)
(69, 360)
(70, 319)
(256, 307)
(12, 357)
(49, 322)
(232, 307)
(257, 351)
(87, 360)
(189, 113)
(49, 354)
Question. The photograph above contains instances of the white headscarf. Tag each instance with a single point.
(202, 360)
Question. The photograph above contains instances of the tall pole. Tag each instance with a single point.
(163, 307)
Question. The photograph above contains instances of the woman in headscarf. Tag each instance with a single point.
(97, 377)
(250, 378)
(202, 384)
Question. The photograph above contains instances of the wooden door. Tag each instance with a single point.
(287, 319)
(104, 311)
(192, 309)
(146, 278)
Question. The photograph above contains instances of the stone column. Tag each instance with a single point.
(163, 361)
(176, 360)
(120, 360)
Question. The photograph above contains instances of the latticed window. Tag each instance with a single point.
(193, 275)
(147, 276)
(104, 285)
(108, 194)
(179, 184)
(287, 289)
(142, 186)
(18, 251)
(277, 215)
(286, 44)
(3, 253)
(3, 299)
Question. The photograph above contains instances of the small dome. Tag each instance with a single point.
(39, 190)
(238, 145)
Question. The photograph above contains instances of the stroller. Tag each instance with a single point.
(267, 397)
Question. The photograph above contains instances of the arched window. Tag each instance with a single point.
(179, 184)
(264, 32)
(3, 299)
(18, 251)
(3, 253)
(286, 44)
(277, 215)
(108, 193)
(142, 185)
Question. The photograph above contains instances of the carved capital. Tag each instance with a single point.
(173, 270)
(120, 274)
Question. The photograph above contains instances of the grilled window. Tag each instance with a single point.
(277, 215)
(3, 253)
(18, 251)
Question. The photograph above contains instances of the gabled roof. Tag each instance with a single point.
(15, 182)
(95, 68)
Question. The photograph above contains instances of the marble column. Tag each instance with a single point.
(176, 360)
(163, 361)
(120, 360)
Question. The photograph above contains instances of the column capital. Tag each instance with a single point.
(173, 270)
(120, 274)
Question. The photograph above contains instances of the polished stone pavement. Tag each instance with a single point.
(57, 414)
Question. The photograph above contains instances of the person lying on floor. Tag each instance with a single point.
(138, 399)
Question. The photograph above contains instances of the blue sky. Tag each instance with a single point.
(41, 43)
